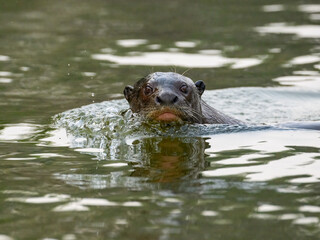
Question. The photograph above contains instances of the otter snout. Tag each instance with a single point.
(166, 98)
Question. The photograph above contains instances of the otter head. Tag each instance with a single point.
(166, 97)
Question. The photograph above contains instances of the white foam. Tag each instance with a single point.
(57, 138)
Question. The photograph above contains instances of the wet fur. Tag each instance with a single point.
(192, 109)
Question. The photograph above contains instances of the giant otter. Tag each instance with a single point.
(171, 97)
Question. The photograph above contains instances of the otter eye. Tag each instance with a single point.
(184, 88)
(148, 90)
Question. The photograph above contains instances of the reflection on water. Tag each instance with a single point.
(255, 164)
(304, 60)
(4, 58)
(309, 8)
(302, 31)
(273, 8)
(300, 81)
(192, 60)
(131, 42)
(168, 159)
(12, 132)
(5, 74)
(5, 80)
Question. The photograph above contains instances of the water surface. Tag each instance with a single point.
(75, 165)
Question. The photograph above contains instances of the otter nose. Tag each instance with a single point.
(166, 98)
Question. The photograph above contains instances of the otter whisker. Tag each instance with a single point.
(188, 69)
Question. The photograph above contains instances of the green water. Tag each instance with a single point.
(91, 173)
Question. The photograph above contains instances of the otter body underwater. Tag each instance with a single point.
(170, 97)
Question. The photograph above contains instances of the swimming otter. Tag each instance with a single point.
(168, 97)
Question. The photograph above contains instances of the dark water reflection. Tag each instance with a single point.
(97, 175)
(171, 159)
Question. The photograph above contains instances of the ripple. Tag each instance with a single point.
(96, 202)
(266, 142)
(4, 58)
(5, 237)
(131, 42)
(315, 17)
(308, 73)
(304, 60)
(19, 192)
(300, 81)
(273, 8)
(242, 160)
(179, 59)
(268, 208)
(21, 159)
(289, 216)
(308, 208)
(89, 150)
(56, 138)
(302, 31)
(306, 221)
(5, 80)
(71, 207)
(19, 131)
(116, 165)
(309, 8)
(49, 198)
(50, 155)
(209, 213)
(81, 205)
(185, 44)
(132, 204)
(89, 74)
(154, 46)
(5, 74)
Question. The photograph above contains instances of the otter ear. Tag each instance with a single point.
(127, 92)
(200, 86)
